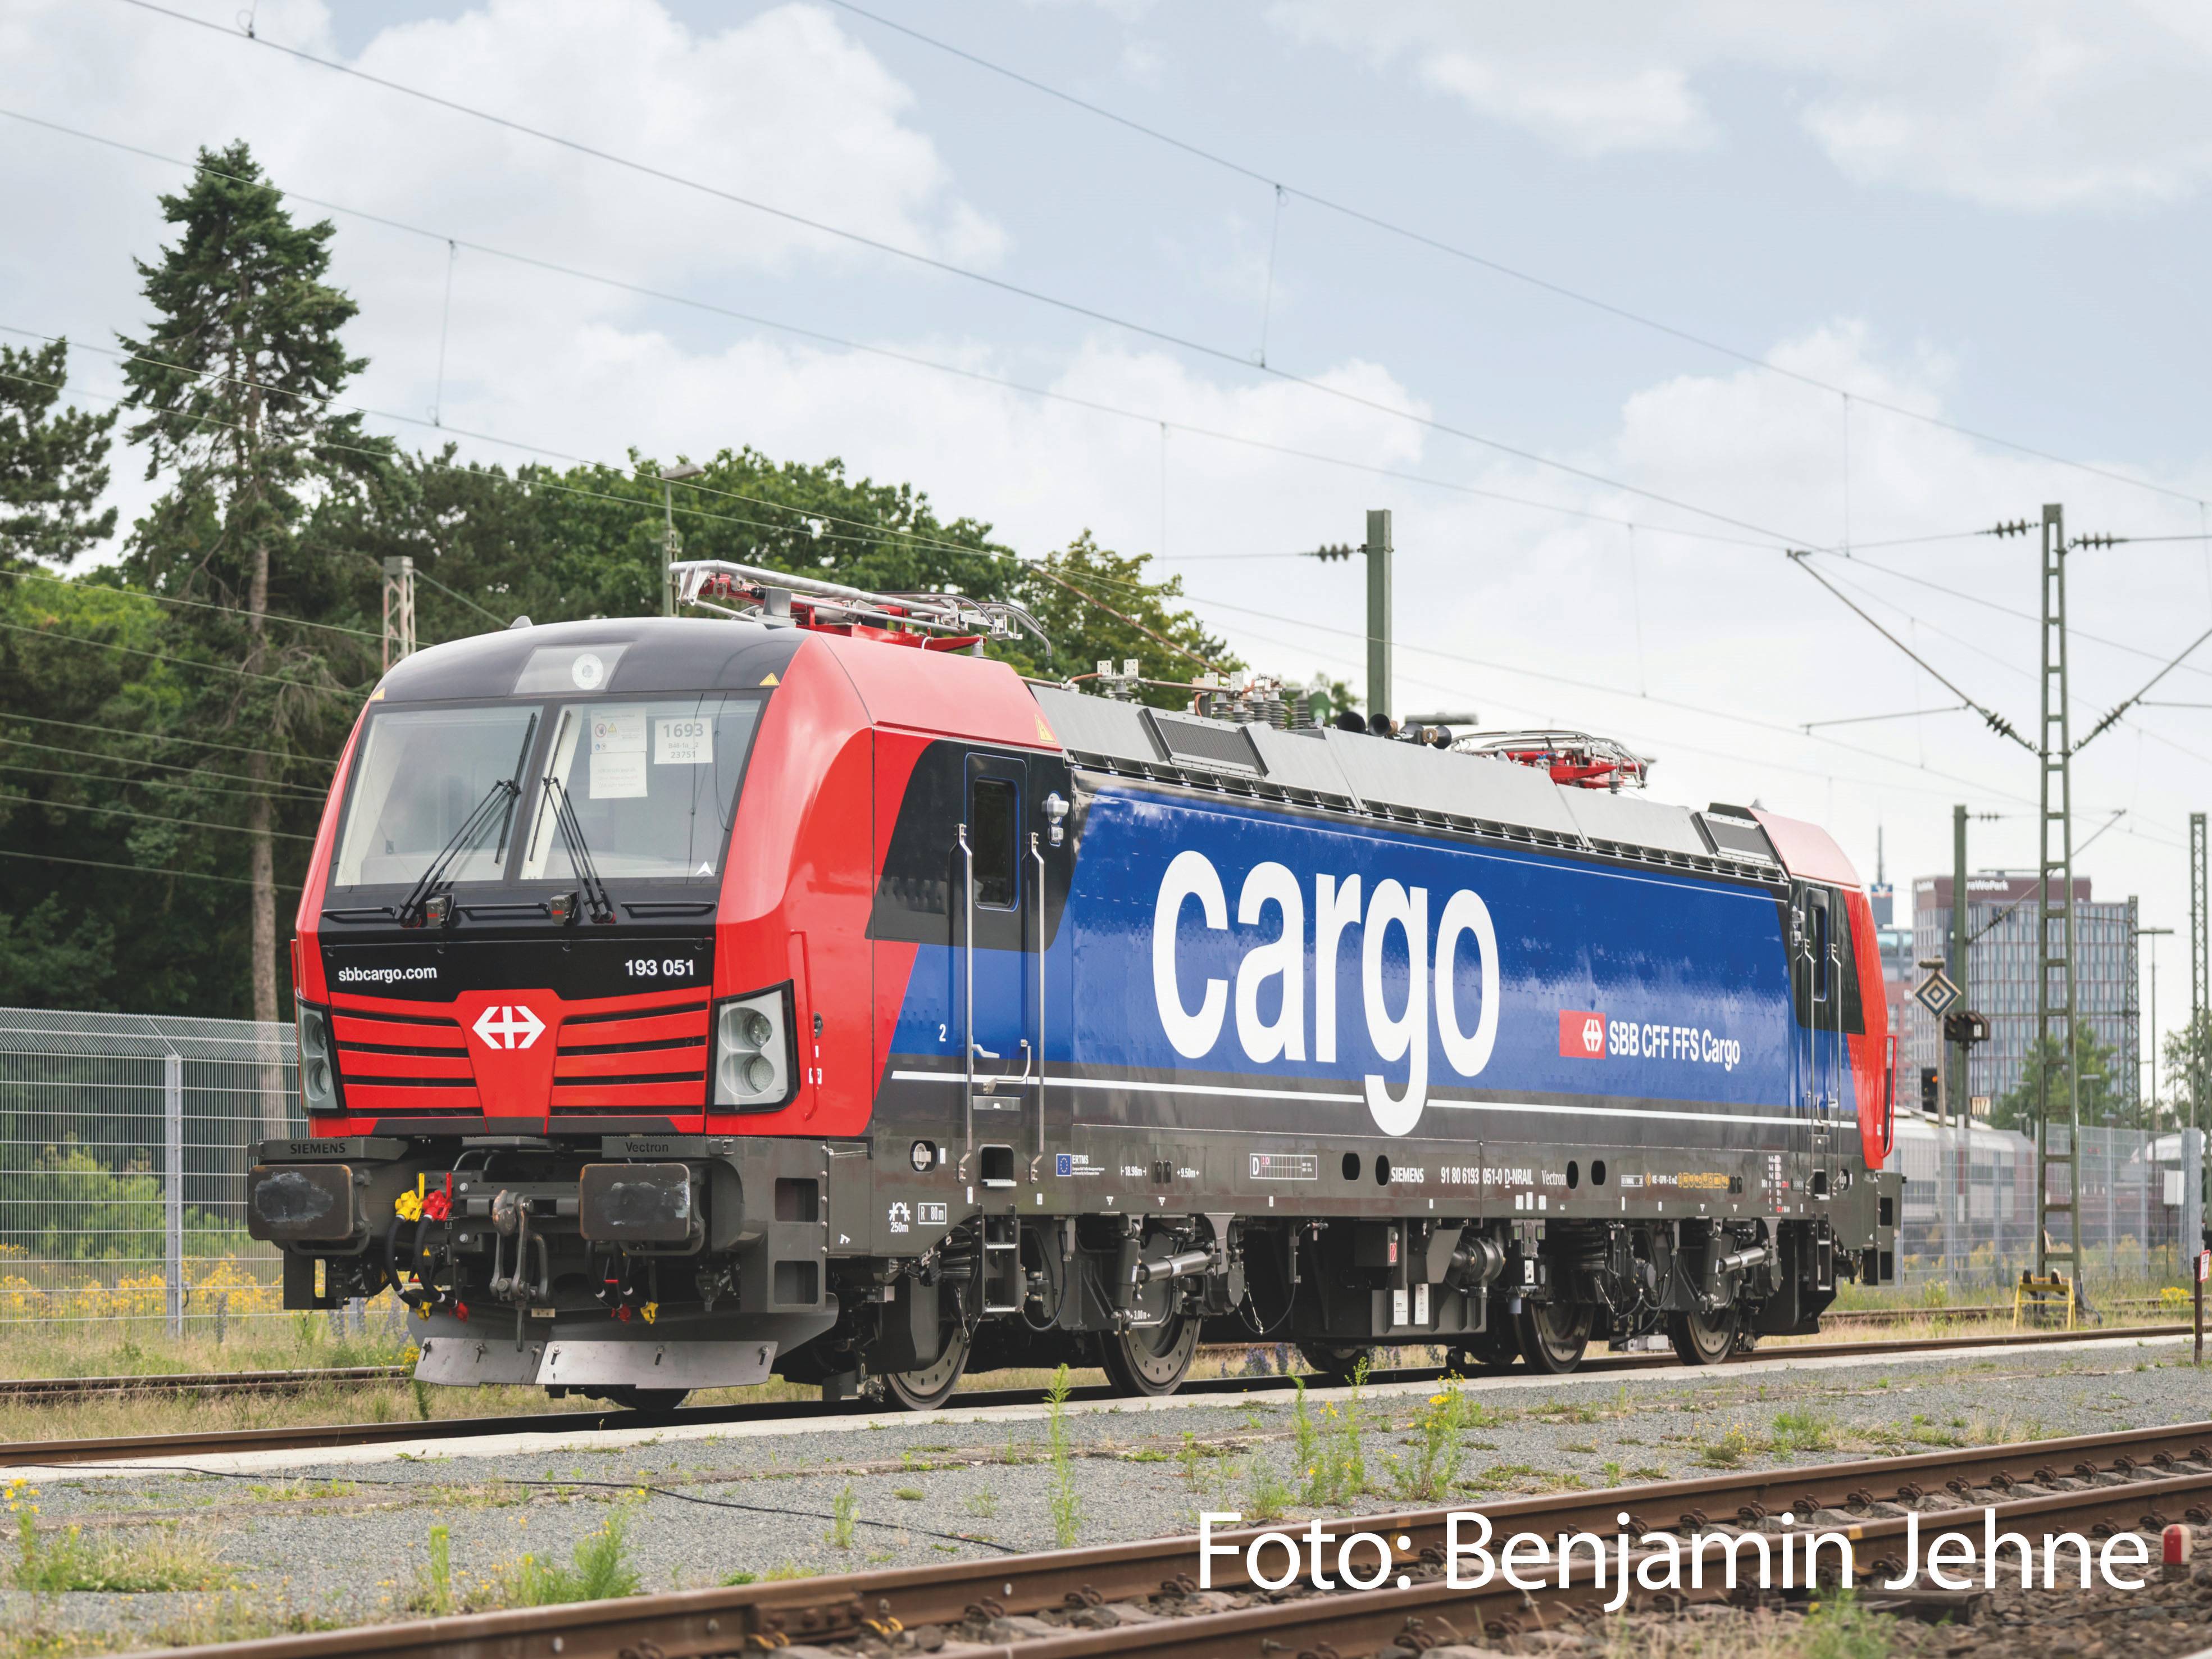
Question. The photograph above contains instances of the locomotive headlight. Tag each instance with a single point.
(754, 1071)
(319, 1082)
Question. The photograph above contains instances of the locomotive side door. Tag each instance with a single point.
(997, 918)
(1819, 1034)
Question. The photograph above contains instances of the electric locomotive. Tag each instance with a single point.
(794, 991)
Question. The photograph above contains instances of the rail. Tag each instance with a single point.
(1142, 1598)
(35, 1454)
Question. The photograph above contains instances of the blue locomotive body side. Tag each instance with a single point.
(1254, 955)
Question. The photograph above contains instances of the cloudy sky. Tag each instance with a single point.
(1844, 278)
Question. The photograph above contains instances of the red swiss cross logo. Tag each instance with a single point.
(1582, 1034)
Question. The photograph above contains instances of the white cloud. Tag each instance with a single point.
(2046, 105)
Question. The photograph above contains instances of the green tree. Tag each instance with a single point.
(2185, 1074)
(1096, 605)
(2106, 1098)
(54, 461)
(234, 383)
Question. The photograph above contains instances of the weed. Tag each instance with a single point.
(1587, 1449)
(1732, 1450)
(422, 1397)
(602, 1570)
(1305, 1438)
(1429, 1474)
(909, 1494)
(843, 1514)
(1613, 1474)
(290, 1491)
(1267, 1496)
(1802, 1430)
(1067, 1502)
(234, 1616)
(434, 1594)
(738, 1578)
(1841, 1628)
(984, 1503)
(65, 1561)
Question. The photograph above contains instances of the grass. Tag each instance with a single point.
(1268, 1496)
(1802, 1430)
(909, 1494)
(65, 1561)
(1067, 1502)
(1429, 1474)
(1731, 1451)
(844, 1515)
(599, 1569)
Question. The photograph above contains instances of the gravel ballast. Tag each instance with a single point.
(320, 1538)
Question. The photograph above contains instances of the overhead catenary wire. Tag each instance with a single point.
(2113, 717)
(143, 869)
(889, 354)
(1582, 682)
(199, 786)
(135, 812)
(1997, 723)
(2028, 616)
(197, 605)
(182, 662)
(157, 737)
(1902, 714)
(1436, 243)
(946, 267)
(164, 766)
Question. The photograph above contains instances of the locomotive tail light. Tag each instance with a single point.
(562, 907)
(318, 1078)
(753, 1066)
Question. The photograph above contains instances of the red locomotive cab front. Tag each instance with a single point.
(522, 919)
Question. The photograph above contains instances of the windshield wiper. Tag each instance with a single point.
(502, 796)
(579, 856)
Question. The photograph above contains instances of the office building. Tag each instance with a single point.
(2001, 913)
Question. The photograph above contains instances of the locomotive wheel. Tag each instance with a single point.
(1703, 1338)
(928, 1387)
(1553, 1337)
(641, 1400)
(1337, 1362)
(1150, 1360)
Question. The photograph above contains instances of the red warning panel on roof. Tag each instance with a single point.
(1582, 1034)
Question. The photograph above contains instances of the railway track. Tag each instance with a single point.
(1142, 1597)
(59, 1390)
(35, 1390)
(122, 1448)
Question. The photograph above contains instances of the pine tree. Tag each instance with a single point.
(53, 467)
(233, 382)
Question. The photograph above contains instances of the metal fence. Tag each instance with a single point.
(124, 1141)
(1969, 1215)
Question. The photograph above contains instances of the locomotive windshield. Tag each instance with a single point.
(653, 783)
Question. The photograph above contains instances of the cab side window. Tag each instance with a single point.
(994, 814)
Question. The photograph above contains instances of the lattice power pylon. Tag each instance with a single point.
(2057, 1122)
(398, 608)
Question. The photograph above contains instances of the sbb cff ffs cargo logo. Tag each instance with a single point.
(507, 1026)
(1582, 1035)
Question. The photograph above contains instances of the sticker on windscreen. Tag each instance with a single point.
(617, 753)
(685, 740)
